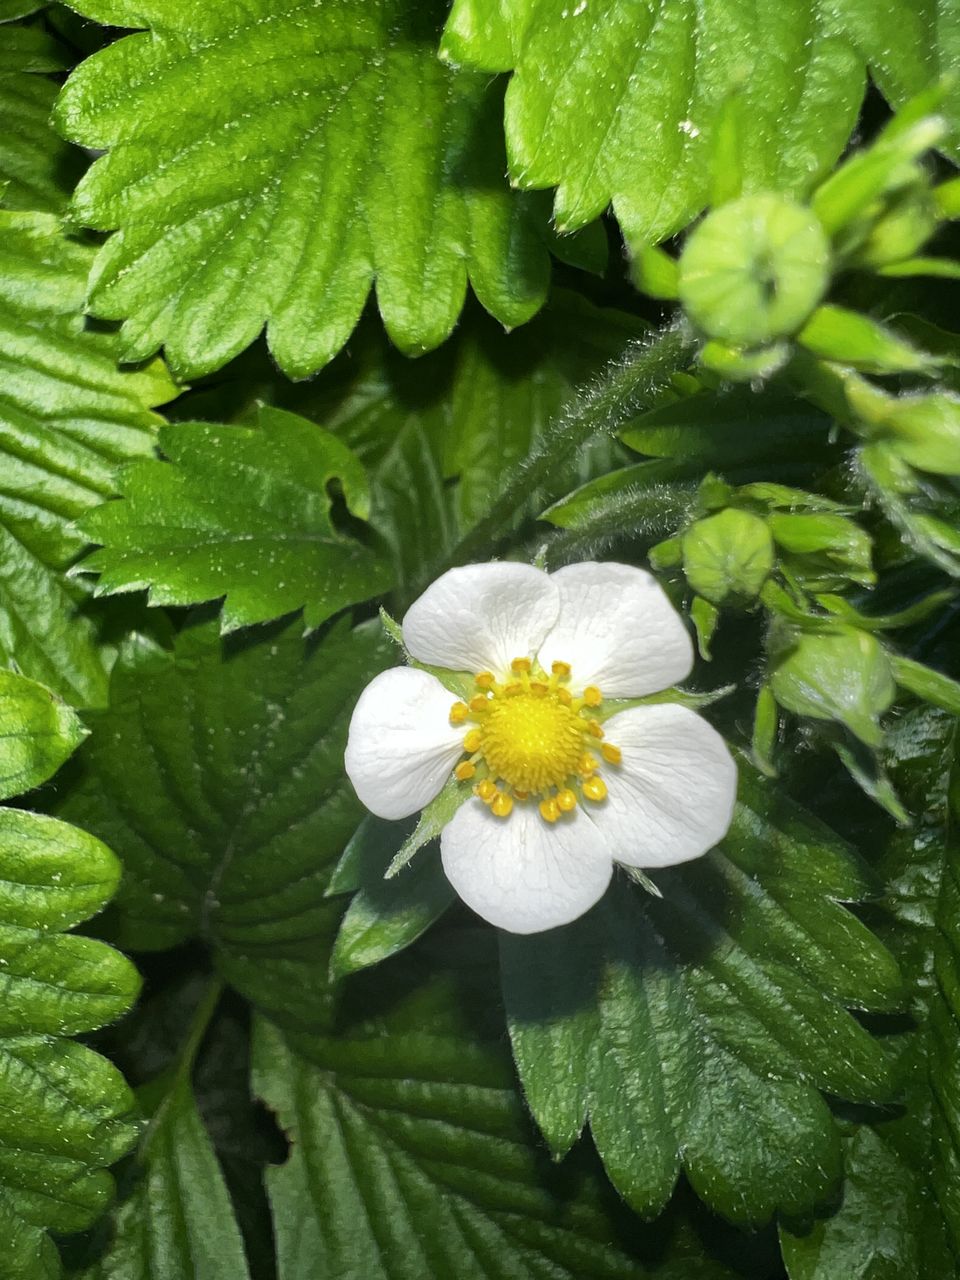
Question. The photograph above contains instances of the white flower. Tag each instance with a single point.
(561, 789)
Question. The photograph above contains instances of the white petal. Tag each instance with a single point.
(401, 746)
(522, 873)
(480, 617)
(672, 797)
(618, 630)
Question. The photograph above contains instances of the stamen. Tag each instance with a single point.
(549, 809)
(473, 741)
(595, 789)
(594, 727)
(567, 800)
(521, 666)
(587, 763)
(502, 805)
(485, 680)
(592, 696)
(561, 670)
(479, 702)
(465, 770)
(612, 754)
(487, 791)
(459, 712)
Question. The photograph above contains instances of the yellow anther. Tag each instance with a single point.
(610, 753)
(485, 680)
(561, 670)
(520, 665)
(549, 809)
(567, 800)
(587, 763)
(593, 726)
(595, 788)
(459, 712)
(465, 770)
(564, 696)
(502, 805)
(520, 795)
(487, 791)
(513, 689)
(592, 696)
(539, 688)
(472, 741)
(479, 702)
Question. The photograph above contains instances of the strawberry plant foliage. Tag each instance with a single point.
(649, 105)
(278, 197)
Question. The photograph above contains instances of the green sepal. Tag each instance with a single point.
(433, 819)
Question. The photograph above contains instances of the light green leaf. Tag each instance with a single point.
(178, 1222)
(242, 513)
(279, 198)
(38, 168)
(37, 734)
(618, 102)
(835, 333)
(68, 417)
(433, 819)
(675, 1018)
(65, 1112)
(932, 686)
(899, 1218)
(217, 776)
(843, 674)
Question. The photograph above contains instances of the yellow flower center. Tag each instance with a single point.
(530, 736)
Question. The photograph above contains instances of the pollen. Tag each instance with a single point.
(530, 741)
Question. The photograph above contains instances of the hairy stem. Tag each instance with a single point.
(625, 389)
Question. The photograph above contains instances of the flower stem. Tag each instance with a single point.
(627, 387)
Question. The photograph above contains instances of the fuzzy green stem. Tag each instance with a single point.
(627, 388)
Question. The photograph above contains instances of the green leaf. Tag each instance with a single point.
(932, 686)
(834, 333)
(217, 776)
(433, 818)
(242, 513)
(68, 417)
(410, 1117)
(178, 1222)
(843, 674)
(669, 1020)
(38, 168)
(899, 1216)
(64, 1111)
(37, 734)
(384, 915)
(279, 198)
(611, 102)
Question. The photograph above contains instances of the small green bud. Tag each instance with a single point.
(824, 549)
(843, 674)
(833, 333)
(728, 554)
(754, 269)
(922, 430)
(905, 226)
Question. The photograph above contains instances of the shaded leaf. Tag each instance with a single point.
(37, 734)
(217, 776)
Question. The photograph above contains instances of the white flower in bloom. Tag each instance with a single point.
(561, 788)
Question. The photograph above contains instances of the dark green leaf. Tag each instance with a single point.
(68, 417)
(217, 776)
(671, 1021)
(900, 1217)
(279, 198)
(38, 168)
(177, 1222)
(37, 734)
(242, 513)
